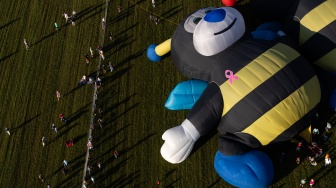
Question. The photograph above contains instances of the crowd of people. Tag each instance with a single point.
(314, 149)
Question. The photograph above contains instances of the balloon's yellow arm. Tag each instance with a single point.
(155, 52)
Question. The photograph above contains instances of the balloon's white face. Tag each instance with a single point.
(192, 21)
(214, 30)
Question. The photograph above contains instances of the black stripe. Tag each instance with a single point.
(266, 96)
(320, 43)
(207, 110)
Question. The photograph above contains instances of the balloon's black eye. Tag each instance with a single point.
(207, 11)
(196, 20)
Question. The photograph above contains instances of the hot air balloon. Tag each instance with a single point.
(260, 92)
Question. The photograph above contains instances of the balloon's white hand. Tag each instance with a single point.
(179, 142)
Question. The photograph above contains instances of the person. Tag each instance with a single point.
(58, 95)
(328, 127)
(111, 36)
(91, 51)
(115, 153)
(41, 177)
(7, 130)
(44, 140)
(48, 186)
(312, 182)
(69, 143)
(327, 161)
(92, 179)
(73, 22)
(74, 14)
(153, 3)
(101, 53)
(298, 160)
(119, 8)
(87, 58)
(65, 163)
(103, 23)
(298, 147)
(158, 182)
(54, 128)
(66, 17)
(111, 67)
(56, 26)
(89, 145)
(26, 44)
(98, 164)
(316, 131)
(302, 182)
(100, 121)
(156, 20)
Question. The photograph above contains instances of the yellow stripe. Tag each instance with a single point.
(286, 113)
(255, 73)
(317, 19)
(327, 61)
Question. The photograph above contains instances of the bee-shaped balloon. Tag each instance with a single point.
(261, 92)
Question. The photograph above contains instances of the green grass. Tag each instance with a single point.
(132, 98)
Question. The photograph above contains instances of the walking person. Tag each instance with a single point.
(103, 23)
(58, 95)
(74, 14)
(56, 26)
(153, 3)
(111, 67)
(303, 182)
(111, 36)
(7, 130)
(44, 141)
(312, 182)
(101, 53)
(26, 44)
(66, 16)
(100, 121)
(87, 58)
(115, 153)
(91, 52)
(41, 177)
(61, 116)
(54, 128)
(119, 8)
(65, 163)
(298, 147)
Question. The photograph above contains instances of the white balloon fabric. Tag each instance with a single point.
(179, 142)
(192, 21)
(218, 30)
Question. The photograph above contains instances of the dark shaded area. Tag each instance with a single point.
(9, 23)
(25, 123)
(8, 56)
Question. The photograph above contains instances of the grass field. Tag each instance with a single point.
(132, 99)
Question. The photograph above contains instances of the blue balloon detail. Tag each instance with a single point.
(185, 94)
(272, 26)
(217, 15)
(332, 100)
(267, 31)
(151, 54)
(251, 169)
(264, 35)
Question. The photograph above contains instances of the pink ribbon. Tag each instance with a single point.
(230, 76)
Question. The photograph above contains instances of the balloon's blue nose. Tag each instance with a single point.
(217, 15)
